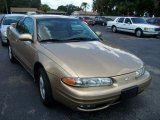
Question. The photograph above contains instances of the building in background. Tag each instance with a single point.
(83, 13)
(23, 10)
(56, 12)
(6, 5)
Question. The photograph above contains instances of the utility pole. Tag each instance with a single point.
(6, 6)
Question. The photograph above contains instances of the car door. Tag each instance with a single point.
(119, 24)
(13, 36)
(26, 49)
(128, 25)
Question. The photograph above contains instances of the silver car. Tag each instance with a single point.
(7, 20)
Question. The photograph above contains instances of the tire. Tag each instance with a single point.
(44, 88)
(139, 33)
(114, 29)
(103, 24)
(10, 54)
(154, 36)
(2, 43)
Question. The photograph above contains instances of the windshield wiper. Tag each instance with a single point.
(81, 39)
(51, 40)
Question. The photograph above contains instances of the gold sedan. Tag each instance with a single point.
(71, 64)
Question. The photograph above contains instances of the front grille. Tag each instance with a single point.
(157, 29)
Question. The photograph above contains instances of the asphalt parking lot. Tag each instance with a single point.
(19, 97)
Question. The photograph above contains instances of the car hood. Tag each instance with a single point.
(94, 59)
(147, 25)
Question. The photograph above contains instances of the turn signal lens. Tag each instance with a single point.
(69, 81)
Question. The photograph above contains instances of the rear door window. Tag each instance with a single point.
(127, 20)
(120, 20)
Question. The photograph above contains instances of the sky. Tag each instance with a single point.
(55, 3)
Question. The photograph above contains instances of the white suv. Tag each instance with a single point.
(135, 25)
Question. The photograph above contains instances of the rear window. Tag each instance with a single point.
(150, 20)
(11, 19)
(138, 20)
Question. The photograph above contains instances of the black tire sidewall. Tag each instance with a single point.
(2, 43)
(115, 29)
(47, 101)
(12, 59)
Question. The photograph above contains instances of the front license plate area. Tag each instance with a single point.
(129, 92)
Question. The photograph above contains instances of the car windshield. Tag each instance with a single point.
(11, 19)
(64, 29)
(138, 20)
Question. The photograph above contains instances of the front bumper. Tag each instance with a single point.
(151, 32)
(96, 98)
(4, 38)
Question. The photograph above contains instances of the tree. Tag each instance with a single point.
(84, 6)
(123, 7)
(69, 8)
(19, 3)
(44, 8)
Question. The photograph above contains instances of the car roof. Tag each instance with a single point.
(7, 15)
(50, 16)
(128, 17)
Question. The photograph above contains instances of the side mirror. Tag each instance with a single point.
(129, 23)
(99, 34)
(25, 37)
(13, 25)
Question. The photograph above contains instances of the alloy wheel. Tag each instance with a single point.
(114, 29)
(10, 52)
(42, 87)
(138, 33)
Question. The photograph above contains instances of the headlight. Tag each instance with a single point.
(140, 72)
(151, 29)
(5, 33)
(88, 82)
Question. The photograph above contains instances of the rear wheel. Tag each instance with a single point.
(44, 87)
(114, 29)
(139, 33)
(10, 54)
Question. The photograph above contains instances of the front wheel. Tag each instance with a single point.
(114, 29)
(44, 87)
(139, 33)
(10, 54)
(2, 43)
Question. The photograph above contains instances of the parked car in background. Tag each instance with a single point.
(102, 20)
(154, 21)
(88, 20)
(6, 21)
(72, 65)
(135, 25)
